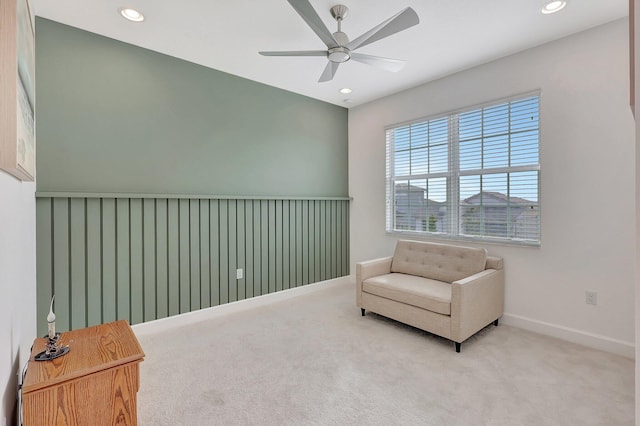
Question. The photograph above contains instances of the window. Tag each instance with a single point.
(471, 174)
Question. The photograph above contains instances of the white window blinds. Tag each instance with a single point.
(471, 174)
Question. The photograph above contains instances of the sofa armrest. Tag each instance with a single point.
(368, 269)
(475, 302)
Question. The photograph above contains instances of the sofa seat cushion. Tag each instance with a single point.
(440, 262)
(417, 291)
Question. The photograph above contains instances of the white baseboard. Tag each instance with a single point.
(188, 318)
(607, 344)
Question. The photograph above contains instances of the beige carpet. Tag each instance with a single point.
(313, 360)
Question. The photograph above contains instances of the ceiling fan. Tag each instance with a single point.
(340, 48)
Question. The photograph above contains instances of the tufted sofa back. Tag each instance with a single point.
(440, 262)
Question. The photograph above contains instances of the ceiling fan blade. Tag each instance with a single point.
(329, 72)
(295, 53)
(393, 65)
(399, 22)
(308, 13)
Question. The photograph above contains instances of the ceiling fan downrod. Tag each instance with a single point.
(339, 54)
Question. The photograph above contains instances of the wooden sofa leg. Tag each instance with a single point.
(496, 322)
(362, 311)
(457, 347)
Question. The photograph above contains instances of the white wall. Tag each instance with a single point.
(17, 286)
(588, 182)
(636, 77)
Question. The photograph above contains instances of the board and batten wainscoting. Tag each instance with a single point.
(139, 257)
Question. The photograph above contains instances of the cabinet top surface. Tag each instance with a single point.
(91, 350)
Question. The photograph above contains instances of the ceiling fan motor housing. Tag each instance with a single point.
(339, 54)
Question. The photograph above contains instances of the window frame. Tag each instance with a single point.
(453, 177)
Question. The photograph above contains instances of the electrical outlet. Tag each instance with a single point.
(239, 274)
(591, 297)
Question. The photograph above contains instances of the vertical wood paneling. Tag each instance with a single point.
(317, 235)
(232, 250)
(123, 259)
(205, 244)
(149, 258)
(311, 235)
(108, 260)
(293, 249)
(161, 259)
(77, 263)
(44, 265)
(334, 239)
(194, 254)
(323, 240)
(340, 254)
(184, 261)
(278, 247)
(61, 284)
(304, 239)
(271, 219)
(145, 258)
(249, 238)
(264, 246)
(135, 240)
(223, 214)
(173, 249)
(94, 262)
(286, 279)
(257, 248)
(240, 248)
(214, 250)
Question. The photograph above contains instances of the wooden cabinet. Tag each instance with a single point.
(96, 383)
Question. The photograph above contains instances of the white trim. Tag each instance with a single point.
(47, 194)
(189, 318)
(595, 341)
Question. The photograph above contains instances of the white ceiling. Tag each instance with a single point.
(453, 35)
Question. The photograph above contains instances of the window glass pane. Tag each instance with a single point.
(470, 125)
(401, 138)
(524, 114)
(439, 131)
(419, 161)
(470, 154)
(496, 152)
(401, 198)
(436, 205)
(419, 135)
(496, 120)
(524, 148)
(524, 185)
(469, 210)
(410, 204)
(402, 165)
(438, 158)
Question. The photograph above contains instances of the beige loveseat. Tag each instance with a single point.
(447, 290)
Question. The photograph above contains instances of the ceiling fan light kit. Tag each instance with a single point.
(339, 48)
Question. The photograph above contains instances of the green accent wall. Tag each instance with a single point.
(113, 117)
(157, 178)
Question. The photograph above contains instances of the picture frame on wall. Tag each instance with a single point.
(17, 89)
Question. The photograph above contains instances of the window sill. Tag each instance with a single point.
(460, 238)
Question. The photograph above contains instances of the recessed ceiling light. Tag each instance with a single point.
(348, 101)
(553, 6)
(345, 90)
(131, 14)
